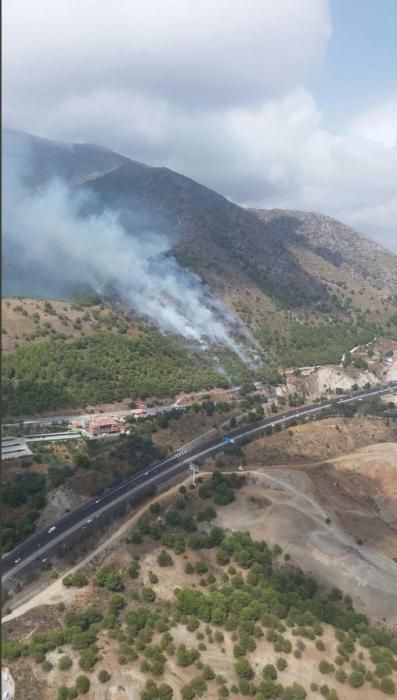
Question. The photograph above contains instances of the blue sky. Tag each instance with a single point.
(361, 60)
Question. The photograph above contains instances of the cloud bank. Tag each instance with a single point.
(215, 90)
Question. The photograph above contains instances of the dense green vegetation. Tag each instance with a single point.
(22, 498)
(24, 495)
(104, 367)
(309, 344)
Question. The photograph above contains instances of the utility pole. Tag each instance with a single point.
(195, 469)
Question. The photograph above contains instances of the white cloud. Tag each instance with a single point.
(213, 89)
(212, 51)
(378, 124)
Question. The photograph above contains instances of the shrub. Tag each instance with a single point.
(294, 692)
(164, 559)
(77, 579)
(148, 595)
(109, 578)
(388, 686)
(341, 675)
(133, 569)
(136, 537)
(325, 667)
(104, 676)
(201, 567)
(281, 663)
(208, 673)
(356, 679)
(64, 663)
(243, 669)
(82, 684)
(88, 659)
(269, 672)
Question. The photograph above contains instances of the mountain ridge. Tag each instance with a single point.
(287, 259)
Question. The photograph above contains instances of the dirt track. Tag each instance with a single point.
(56, 592)
(297, 522)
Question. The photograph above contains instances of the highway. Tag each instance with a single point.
(35, 550)
(54, 420)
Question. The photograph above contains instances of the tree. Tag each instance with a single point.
(356, 679)
(164, 558)
(294, 692)
(62, 693)
(133, 569)
(148, 595)
(109, 578)
(269, 672)
(388, 686)
(83, 684)
(325, 667)
(243, 669)
(281, 663)
(208, 673)
(187, 692)
(88, 659)
(104, 676)
(165, 692)
(64, 663)
(77, 579)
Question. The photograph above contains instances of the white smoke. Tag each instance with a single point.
(45, 229)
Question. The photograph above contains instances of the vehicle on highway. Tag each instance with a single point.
(159, 473)
(17, 560)
(89, 521)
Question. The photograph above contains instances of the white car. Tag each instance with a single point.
(98, 500)
(89, 521)
(17, 560)
(52, 529)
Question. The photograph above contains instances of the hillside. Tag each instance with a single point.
(309, 288)
(109, 362)
(262, 259)
(198, 608)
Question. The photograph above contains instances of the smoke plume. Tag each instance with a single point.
(58, 250)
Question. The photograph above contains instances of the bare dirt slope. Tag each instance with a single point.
(28, 320)
(320, 440)
(280, 505)
(296, 520)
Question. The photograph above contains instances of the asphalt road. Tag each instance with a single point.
(31, 553)
(54, 420)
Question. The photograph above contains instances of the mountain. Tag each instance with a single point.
(259, 262)
(335, 243)
(46, 159)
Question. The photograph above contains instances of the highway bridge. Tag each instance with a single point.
(34, 552)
